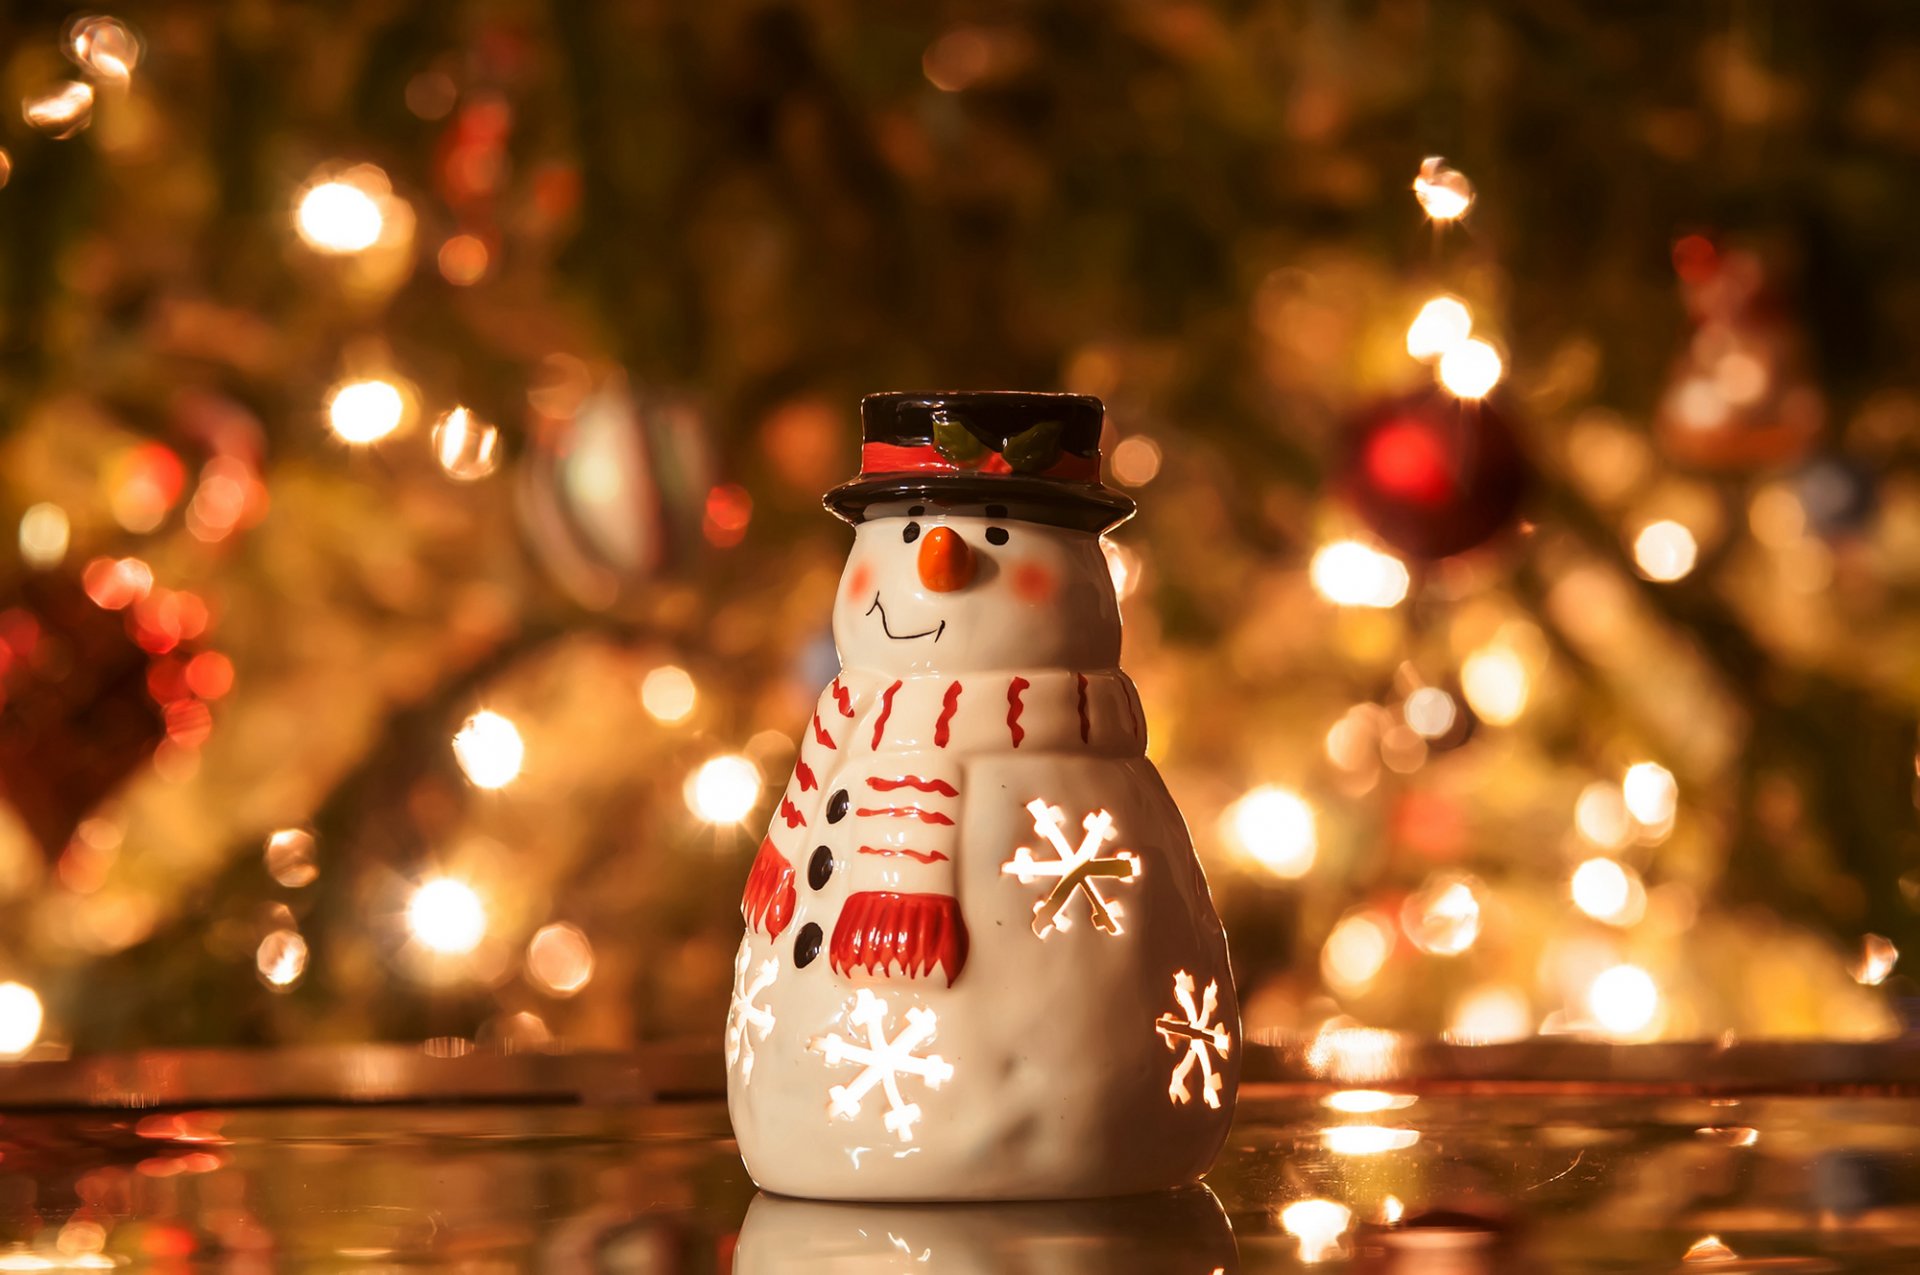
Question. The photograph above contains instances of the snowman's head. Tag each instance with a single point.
(963, 587)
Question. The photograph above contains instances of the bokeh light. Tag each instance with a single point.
(724, 789)
(1135, 461)
(1442, 918)
(343, 214)
(365, 411)
(559, 959)
(289, 858)
(1471, 369)
(467, 447)
(1366, 1139)
(669, 694)
(1442, 323)
(490, 750)
(1319, 1226)
(1600, 815)
(1351, 574)
(1496, 684)
(105, 46)
(281, 959)
(447, 916)
(1877, 958)
(1491, 1015)
(1366, 1102)
(21, 1016)
(1624, 1000)
(1665, 551)
(44, 536)
(1274, 827)
(1355, 951)
(1651, 794)
(1607, 890)
(1431, 712)
(61, 112)
(1444, 193)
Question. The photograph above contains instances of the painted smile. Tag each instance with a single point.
(886, 628)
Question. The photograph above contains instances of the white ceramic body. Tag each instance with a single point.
(1180, 1232)
(1055, 1079)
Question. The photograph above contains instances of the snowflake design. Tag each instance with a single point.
(883, 1062)
(747, 1021)
(1080, 870)
(1202, 1037)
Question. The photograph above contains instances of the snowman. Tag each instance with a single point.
(981, 960)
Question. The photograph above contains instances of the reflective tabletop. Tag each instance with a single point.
(1575, 1159)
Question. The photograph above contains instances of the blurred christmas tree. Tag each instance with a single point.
(415, 416)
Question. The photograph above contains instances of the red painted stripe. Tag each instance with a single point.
(903, 812)
(879, 930)
(951, 702)
(1085, 725)
(892, 458)
(791, 813)
(844, 700)
(886, 711)
(820, 732)
(940, 786)
(1014, 708)
(804, 773)
(769, 898)
(923, 856)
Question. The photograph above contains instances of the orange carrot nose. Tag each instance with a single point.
(946, 563)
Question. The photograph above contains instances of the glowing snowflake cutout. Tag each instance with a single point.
(1201, 1036)
(883, 1062)
(746, 1021)
(1079, 870)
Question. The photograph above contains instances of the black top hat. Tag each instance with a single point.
(1035, 455)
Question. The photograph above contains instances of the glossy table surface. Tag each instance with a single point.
(1545, 1158)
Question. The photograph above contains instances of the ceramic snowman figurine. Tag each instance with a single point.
(981, 960)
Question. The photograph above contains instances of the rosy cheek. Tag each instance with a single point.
(1035, 583)
(860, 581)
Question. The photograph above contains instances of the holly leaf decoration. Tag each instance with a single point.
(956, 442)
(1034, 450)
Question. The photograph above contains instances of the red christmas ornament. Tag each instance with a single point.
(1434, 475)
(94, 674)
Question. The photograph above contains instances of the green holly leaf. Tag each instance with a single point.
(1033, 450)
(956, 442)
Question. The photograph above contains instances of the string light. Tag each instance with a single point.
(1444, 193)
(344, 214)
(490, 750)
(467, 447)
(1665, 551)
(1471, 369)
(724, 790)
(446, 916)
(1274, 826)
(1495, 682)
(668, 694)
(1623, 1000)
(1442, 324)
(21, 1016)
(44, 536)
(1651, 794)
(365, 411)
(1350, 574)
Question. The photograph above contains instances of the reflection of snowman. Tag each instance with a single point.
(1176, 1233)
(981, 961)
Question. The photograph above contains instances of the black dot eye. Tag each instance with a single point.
(911, 532)
(996, 535)
(820, 868)
(807, 946)
(837, 806)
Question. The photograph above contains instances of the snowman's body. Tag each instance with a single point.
(981, 959)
